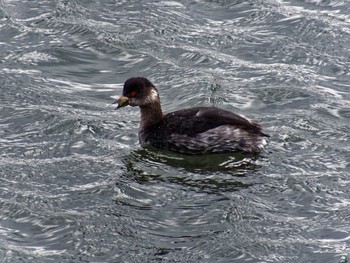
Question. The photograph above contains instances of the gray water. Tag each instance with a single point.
(75, 185)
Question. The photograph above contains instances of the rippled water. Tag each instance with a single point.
(76, 186)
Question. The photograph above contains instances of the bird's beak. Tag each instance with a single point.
(122, 102)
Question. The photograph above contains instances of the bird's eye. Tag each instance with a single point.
(133, 94)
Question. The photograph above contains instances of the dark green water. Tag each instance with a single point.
(75, 185)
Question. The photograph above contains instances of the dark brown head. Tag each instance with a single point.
(138, 92)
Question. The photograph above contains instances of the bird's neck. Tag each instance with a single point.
(151, 114)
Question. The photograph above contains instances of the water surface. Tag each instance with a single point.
(75, 185)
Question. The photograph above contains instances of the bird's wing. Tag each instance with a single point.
(197, 120)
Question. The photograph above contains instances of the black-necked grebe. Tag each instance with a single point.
(193, 131)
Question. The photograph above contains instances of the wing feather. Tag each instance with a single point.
(197, 120)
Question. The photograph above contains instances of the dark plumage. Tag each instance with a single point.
(193, 131)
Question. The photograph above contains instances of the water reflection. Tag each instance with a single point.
(205, 173)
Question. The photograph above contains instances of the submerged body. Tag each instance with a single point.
(194, 131)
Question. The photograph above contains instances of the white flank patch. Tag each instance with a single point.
(221, 139)
(262, 143)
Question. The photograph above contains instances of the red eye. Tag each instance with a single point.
(133, 94)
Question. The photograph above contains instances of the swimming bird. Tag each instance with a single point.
(198, 130)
